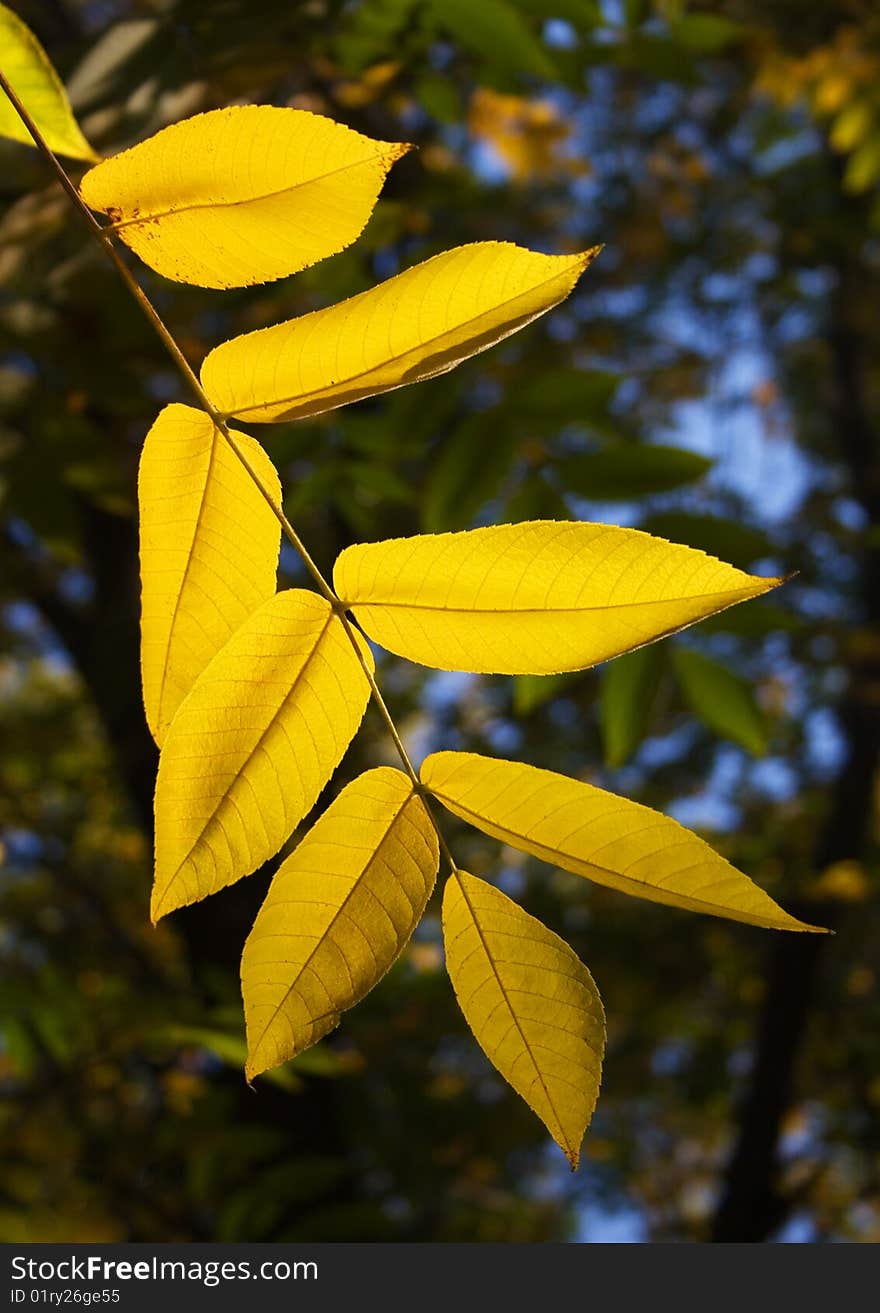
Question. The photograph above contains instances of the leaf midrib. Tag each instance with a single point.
(336, 914)
(255, 408)
(540, 610)
(158, 215)
(552, 856)
(514, 1017)
(274, 718)
(203, 500)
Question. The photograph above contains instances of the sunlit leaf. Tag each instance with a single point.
(533, 598)
(209, 551)
(599, 835)
(252, 745)
(420, 323)
(242, 195)
(721, 699)
(531, 1003)
(34, 80)
(337, 915)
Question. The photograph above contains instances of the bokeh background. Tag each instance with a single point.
(715, 379)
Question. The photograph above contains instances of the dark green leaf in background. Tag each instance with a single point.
(629, 687)
(724, 702)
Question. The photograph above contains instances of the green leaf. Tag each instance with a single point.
(754, 621)
(629, 686)
(582, 13)
(470, 470)
(621, 472)
(495, 31)
(532, 691)
(576, 393)
(724, 702)
(230, 1049)
(34, 80)
(863, 167)
(634, 12)
(706, 33)
(852, 125)
(439, 97)
(728, 539)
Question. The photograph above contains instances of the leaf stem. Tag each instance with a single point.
(105, 238)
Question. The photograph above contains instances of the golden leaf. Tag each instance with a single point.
(242, 195)
(252, 745)
(536, 598)
(209, 551)
(338, 914)
(39, 88)
(420, 323)
(599, 835)
(531, 1003)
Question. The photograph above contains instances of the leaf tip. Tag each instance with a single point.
(793, 924)
(589, 255)
(397, 149)
(158, 907)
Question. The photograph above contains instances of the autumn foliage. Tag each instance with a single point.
(254, 695)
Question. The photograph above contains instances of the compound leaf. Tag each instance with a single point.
(599, 835)
(209, 551)
(242, 195)
(535, 598)
(531, 1003)
(418, 324)
(252, 745)
(337, 915)
(38, 86)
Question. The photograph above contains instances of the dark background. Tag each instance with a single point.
(728, 156)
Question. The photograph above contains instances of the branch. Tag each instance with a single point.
(105, 238)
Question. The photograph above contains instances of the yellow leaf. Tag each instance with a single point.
(34, 80)
(242, 195)
(529, 136)
(209, 551)
(596, 834)
(530, 1002)
(537, 598)
(252, 745)
(421, 323)
(338, 913)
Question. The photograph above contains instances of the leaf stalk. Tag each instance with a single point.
(105, 238)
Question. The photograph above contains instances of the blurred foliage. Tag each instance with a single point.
(715, 380)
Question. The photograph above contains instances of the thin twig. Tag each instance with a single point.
(104, 236)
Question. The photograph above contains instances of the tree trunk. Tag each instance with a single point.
(752, 1205)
